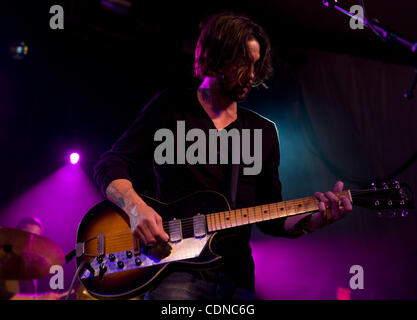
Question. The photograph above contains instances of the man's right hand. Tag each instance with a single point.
(146, 225)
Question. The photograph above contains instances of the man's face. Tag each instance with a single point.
(33, 228)
(238, 80)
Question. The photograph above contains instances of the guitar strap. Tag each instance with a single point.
(233, 184)
(235, 169)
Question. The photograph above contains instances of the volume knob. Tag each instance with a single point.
(103, 270)
(120, 264)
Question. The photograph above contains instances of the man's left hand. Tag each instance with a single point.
(331, 207)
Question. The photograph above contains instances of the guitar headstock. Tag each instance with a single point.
(394, 196)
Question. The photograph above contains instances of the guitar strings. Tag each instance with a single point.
(113, 239)
(129, 237)
(187, 224)
(189, 221)
(122, 237)
(186, 221)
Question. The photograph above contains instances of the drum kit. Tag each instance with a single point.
(25, 255)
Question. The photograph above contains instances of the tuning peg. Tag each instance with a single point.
(389, 202)
(384, 185)
(404, 213)
(373, 186)
(376, 203)
(403, 194)
(402, 202)
(379, 214)
(397, 185)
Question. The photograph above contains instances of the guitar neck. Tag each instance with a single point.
(239, 217)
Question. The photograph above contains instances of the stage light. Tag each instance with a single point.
(343, 293)
(19, 50)
(74, 158)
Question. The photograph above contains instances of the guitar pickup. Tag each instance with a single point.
(199, 225)
(79, 249)
(175, 230)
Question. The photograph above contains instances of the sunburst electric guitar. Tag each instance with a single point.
(112, 265)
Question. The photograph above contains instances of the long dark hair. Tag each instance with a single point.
(223, 43)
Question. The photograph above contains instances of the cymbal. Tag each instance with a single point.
(25, 255)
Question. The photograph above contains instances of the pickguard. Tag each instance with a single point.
(185, 249)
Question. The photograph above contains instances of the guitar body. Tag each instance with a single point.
(112, 265)
(105, 230)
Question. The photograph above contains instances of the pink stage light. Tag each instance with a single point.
(74, 158)
(343, 293)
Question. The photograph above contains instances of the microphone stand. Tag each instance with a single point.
(409, 94)
(381, 32)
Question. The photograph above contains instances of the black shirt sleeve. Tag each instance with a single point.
(133, 151)
(269, 185)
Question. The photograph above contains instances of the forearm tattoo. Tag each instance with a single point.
(114, 195)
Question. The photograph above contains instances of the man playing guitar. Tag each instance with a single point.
(233, 54)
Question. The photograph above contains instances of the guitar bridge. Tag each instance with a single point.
(79, 249)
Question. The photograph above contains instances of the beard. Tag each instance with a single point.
(235, 92)
(244, 93)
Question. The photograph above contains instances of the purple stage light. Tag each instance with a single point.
(74, 158)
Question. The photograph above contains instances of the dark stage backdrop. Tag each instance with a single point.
(343, 118)
(338, 117)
